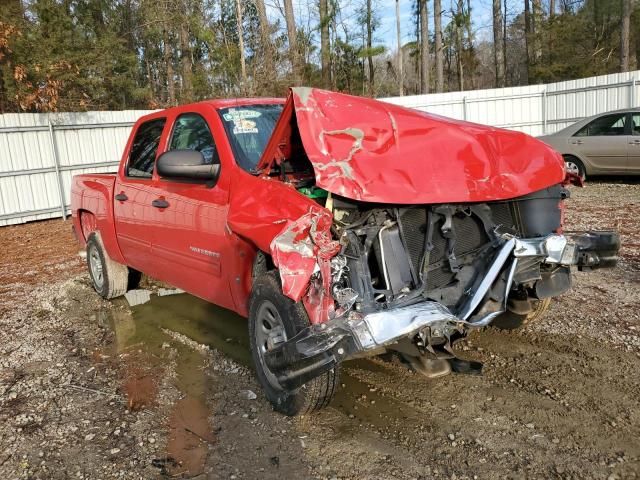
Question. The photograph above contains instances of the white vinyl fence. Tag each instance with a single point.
(534, 109)
(39, 153)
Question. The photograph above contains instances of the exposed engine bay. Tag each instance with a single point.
(416, 278)
(396, 256)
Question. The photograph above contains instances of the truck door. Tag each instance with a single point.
(190, 244)
(133, 196)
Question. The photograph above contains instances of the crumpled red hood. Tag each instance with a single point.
(369, 150)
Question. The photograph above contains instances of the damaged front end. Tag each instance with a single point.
(407, 250)
(416, 278)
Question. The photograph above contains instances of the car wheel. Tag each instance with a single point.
(108, 277)
(273, 318)
(511, 320)
(575, 166)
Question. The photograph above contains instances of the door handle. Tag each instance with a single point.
(160, 203)
(121, 197)
(634, 142)
(577, 142)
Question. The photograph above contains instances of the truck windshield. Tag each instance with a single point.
(249, 128)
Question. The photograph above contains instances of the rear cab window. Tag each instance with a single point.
(142, 156)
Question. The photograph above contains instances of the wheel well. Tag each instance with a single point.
(569, 156)
(262, 264)
(88, 223)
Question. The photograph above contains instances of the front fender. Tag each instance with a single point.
(292, 228)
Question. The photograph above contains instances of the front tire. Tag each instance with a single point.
(274, 318)
(511, 320)
(108, 277)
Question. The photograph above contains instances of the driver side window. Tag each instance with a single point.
(191, 132)
(142, 156)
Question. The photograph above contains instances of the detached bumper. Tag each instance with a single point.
(321, 347)
(596, 249)
(585, 250)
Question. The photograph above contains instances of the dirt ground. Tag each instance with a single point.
(93, 389)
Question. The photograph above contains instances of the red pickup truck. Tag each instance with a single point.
(341, 226)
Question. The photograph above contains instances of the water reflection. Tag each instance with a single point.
(142, 334)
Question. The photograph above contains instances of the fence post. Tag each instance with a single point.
(544, 111)
(464, 107)
(56, 164)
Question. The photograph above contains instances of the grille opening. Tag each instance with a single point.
(470, 235)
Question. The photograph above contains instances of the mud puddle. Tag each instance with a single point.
(201, 321)
(143, 333)
(157, 338)
(151, 323)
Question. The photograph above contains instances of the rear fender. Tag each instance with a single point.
(91, 202)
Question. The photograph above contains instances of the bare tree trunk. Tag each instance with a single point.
(470, 50)
(325, 44)
(267, 59)
(527, 36)
(637, 49)
(437, 25)
(400, 74)
(624, 35)
(293, 44)
(536, 21)
(168, 63)
(150, 77)
(128, 24)
(552, 8)
(424, 47)
(369, 47)
(243, 65)
(459, 46)
(504, 41)
(185, 60)
(498, 42)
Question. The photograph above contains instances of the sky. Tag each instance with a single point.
(481, 15)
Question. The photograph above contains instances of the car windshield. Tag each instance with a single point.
(249, 128)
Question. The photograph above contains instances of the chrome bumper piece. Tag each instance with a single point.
(553, 248)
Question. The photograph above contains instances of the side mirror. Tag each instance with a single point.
(187, 164)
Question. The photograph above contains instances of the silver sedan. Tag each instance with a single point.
(605, 144)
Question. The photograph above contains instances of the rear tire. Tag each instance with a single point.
(510, 320)
(575, 165)
(270, 311)
(108, 277)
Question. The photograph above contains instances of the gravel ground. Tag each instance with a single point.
(96, 389)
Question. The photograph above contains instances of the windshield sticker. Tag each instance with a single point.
(244, 126)
(235, 115)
